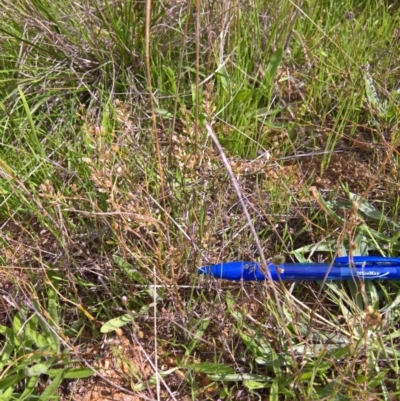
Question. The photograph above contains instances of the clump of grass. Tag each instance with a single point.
(113, 195)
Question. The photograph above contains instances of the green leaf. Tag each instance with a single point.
(243, 94)
(394, 304)
(361, 245)
(394, 241)
(223, 76)
(325, 246)
(164, 113)
(116, 323)
(365, 208)
(370, 211)
(274, 63)
(254, 385)
(17, 324)
(11, 380)
(341, 352)
(152, 381)
(197, 336)
(5, 330)
(6, 353)
(371, 92)
(274, 393)
(238, 377)
(51, 390)
(256, 348)
(77, 373)
(6, 396)
(52, 297)
(30, 385)
(373, 234)
(52, 308)
(378, 378)
(306, 376)
(212, 368)
(230, 302)
(327, 206)
(171, 77)
(129, 270)
(31, 332)
(330, 391)
(299, 254)
(8, 348)
(36, 370)
(32, 139)
(71, 373)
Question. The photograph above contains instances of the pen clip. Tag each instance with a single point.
(368, 260)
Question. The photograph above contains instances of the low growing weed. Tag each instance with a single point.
(34, 359)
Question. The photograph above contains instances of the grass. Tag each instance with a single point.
(114, 193)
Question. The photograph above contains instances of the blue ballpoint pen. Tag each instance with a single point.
(342, 268)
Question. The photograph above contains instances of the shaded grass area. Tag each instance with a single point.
(113, 194)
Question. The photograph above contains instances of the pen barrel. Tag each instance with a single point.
(247, 271)
(299, 271)
(366, 268)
